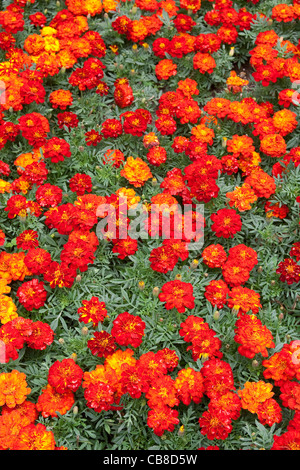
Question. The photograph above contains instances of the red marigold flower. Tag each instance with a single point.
(214, 256)
(243, 255)
(290, 395)
(228, 402)
(77, 255)
(80, 183)
(289, 440)
(56, 149)
(102, 344)
(162, 418)
(61, 275)
(163, 259)
(128, 329)
(189, 386)
(216, 424)
(41, 336)
(27, 240)
(65, 375)
(99, 396)
(32, 294)
(92, 138)
(226, 222)
(216, 293)
(157, 155)
(162, 392)
(289, 271)
(125, 247)
(169, 357)
(177, 294)
(132, 382)
(252, 336)
(269, 412)
(68, 119)
(92, 311)
(48, 195)
(123, 95)
(50, 402)
(37, 259)
(111, 128)
(234, 273)
(205, 345)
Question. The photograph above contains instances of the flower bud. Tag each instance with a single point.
(84, 330)
(141, 285)
(224, 142)
(181, 431)
(260, 269)
(75, 410)
(155, 291)
(255, 363)
(178, 277)
(154, 182)
(61, 341)
(216, 315)
(231, 52)
(78, 278)
(194, 264)
(281, 316)
(74, 357)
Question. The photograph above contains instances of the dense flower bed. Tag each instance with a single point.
(120, 120)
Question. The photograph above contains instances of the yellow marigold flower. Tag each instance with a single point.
(13, 388)
(8, 310)
(51, 44)
(48, 31)
(5, 187)
(4, 287)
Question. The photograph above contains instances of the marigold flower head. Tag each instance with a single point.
(92, 311)
(136, 171)
(65, 375)
(177, 294)
(13, 388)
(162, 418)
(255, 393)
(128, 329)
(50, 402)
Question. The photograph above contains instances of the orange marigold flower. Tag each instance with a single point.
(273, 145)
(61, 98)
(50, 402)
(34, 437)
(165, 69)
(244, 299)
(263, 184)
(255, 393)
(242, 197)
(13, 388)
(162, 418)
(162, 392)
(214, 256)
(204, 62)
(136, 171)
